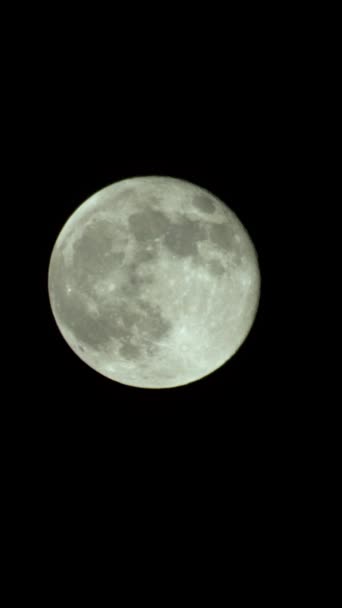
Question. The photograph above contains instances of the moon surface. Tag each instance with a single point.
(154, 282)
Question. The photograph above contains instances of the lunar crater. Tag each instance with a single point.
(148, 225)
(182, 237)
(215, 267)
(204, 203)
(222, 235)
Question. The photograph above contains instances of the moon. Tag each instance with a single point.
(154, 282)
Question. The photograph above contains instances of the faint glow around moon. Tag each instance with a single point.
(154, 282)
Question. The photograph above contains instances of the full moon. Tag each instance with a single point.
(154, 282)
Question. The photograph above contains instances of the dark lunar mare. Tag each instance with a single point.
(204, 203)
(119, 316)
(127, 314)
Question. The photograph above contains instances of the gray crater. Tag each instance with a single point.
(182, 238)
(94, 332)
(215, 267)
(222, 235)
(135, 283)
(147, 225)
(152, 321)
(150, 326)
(130, 351)
(204, 203)
(145, 255)
(93, 252)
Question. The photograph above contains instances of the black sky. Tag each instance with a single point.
(220, 149)
(220, 120)
(218, 104)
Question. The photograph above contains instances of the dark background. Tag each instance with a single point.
(220, 148)
(210, 109)
(219, 105)
(189, 454)
(236, 418)
(219, 466)
(179, 152)
(228, 140)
